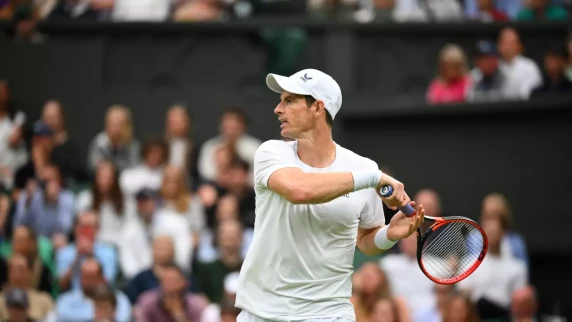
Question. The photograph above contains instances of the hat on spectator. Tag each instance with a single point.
(231, 283)
(16, 297)
(486, 48)
(145, 193)
(41, 129)
(313, 82)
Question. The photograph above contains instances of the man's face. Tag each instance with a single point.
(146, 208)
(231, 126)
(52, 116)
(294, 114)
(494, 231)
(430, 202)
(172, 282)
(229, 236)
(21, 241)
(509, 44)
(554, 65)
(487, 64)
(163, 251)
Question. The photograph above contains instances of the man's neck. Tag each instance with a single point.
(318, 149)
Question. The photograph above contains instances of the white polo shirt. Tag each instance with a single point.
(300, 262)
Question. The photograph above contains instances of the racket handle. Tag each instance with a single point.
(408, 210)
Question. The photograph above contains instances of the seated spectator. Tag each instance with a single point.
(65, 152)
(460, 309)
(136, 249)
(487, 12)
(17, 305)
(436, 312)
(240, 187)
(542, 10)
(198, 10)
(46, 206)
(39, 304)
(42, 143)
(386, 309)
(369, 285)
(423, 11)
(106, 199)
(116, 143)
(171, 301)
(105, 303)
(406, 279)
(70, 258)
(510, 7)
(140, 10)
(524, 305)
(493, 291)
(149, 174)
(38, 252)
(431, 202)
(72, 10)
(452, 82)
(214, 311)
(232, 129)
(226, 209)
(490, 82)
(522, 72)
(496, 206)
(148, 278)
(178, 199)
(182, 150)
(555, 80)
(210, 276)
(78, 304)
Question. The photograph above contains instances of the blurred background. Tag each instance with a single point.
(128, 129)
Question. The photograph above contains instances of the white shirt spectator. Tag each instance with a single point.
(11, 158)
(408, 281)
(141, 10)
(110, 221)
(135, 247)
(496, 279)
(195, 215)
(427, 10)
(134, 179)
(178, 151)
(523, 74)
(207, 252)
(246, 147)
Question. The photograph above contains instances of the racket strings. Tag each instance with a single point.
(451, 250)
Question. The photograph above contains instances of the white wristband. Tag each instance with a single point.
(366, 179)
(381, 241)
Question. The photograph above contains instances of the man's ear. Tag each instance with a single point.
(320, 108)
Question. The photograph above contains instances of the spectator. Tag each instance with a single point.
(452, 82)
(39, 304)
(227, 209)
(406, 279)
(232, 129)
(386, 309)
(431, 202)
(369, 285)
(490, 82)
(72, 10)
(522, 72)
(492, 291)
(510, 7)
(460, 309)
(6, 9)
(116, 144)
(569, 60)
(214, 311)
(487, 12)
(65, 152)
(139, 10)
(42, 145)
(240, 187)
(555, 80)
(148, 278)
(17, 305)
(105, 303)
(210, 276)
(495, 205)
(524, 305)
(170, 302)
(436, 312)
(178, 199)
(70, 258)
(209, 191)
(106, 199)
(542, 10)
(182, 150)
(149, 174)
(423, 11)
(38, 252)
(201, 10)
(78, 304)
(46, 207)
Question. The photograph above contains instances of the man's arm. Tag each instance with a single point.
(366, 241)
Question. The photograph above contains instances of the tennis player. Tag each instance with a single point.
(314, 201)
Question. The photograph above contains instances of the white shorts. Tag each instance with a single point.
(246, 316)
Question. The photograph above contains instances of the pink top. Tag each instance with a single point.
(453, 92)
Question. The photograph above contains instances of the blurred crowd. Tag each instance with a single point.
(363, 11)
(501, 72)
(156, 230)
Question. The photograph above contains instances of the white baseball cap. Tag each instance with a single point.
(313, 82)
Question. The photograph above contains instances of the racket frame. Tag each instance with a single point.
(438, 222)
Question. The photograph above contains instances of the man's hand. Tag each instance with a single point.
(401, 226)
(399, 198)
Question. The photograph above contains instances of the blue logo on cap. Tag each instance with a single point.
(305, 78)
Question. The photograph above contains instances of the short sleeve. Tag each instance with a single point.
(372, 214)
(271, 156)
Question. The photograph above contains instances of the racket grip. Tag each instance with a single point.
(408, 210)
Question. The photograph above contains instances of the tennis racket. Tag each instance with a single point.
(451, 249)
